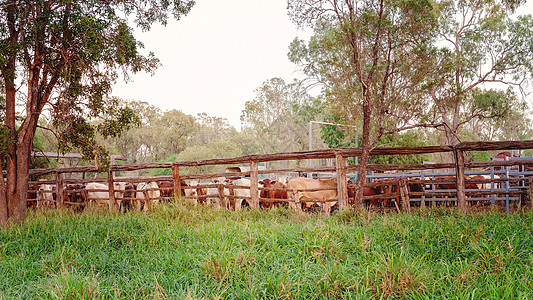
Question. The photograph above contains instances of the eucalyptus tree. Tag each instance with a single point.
(273, 116)
(212, 128)
(511, 123)
(66, 55)
(481, 60)
(370, 57)
(172, 133)
(137, 143)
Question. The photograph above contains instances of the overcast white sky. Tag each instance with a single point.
(214, 58)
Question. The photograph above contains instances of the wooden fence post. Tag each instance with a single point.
(404, 195)
(111, 187)
(460, 179)
(254, 184)
(177, 180)
(59, 190)
(342, 181)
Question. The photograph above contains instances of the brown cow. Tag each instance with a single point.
(272, 194)
(393, 187)
(298, 184)
(476, 186)
(167, 188)
(31, 197)
(74, 193)
(129, 196)
(451, 183)
(369, 191)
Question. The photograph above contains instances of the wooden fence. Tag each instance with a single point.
(340, 170)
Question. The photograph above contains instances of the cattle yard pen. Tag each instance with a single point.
(506, 181)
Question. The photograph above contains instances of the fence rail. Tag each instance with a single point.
(500, 188)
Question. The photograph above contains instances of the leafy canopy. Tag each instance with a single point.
(68, 54)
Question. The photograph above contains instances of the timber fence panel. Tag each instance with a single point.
(506, 180)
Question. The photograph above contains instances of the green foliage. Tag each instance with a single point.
(117, 119)
(277, 117)
(431, 64)
(411, 138)
(213, 149)
(504, 117)
(337, 136)
(163, 135)
(39, 162)
(480, 156)
(494, 102)
(69, 53)
(75, 131)
(166, 171)
(212, 128)
(496, 48)
(131, 143)
(178, 252)
(369, 60)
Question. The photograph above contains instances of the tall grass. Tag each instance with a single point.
(177, 252)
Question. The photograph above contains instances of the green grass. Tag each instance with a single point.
(184, 253)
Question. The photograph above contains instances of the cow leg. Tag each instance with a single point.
(327, 208)
(146, 200)
(297, 205)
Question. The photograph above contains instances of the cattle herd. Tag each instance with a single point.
(298, 193)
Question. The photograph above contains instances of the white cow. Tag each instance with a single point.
(147, 194)
(193, 192)
(242, 194)
(212, 195)
(298, 185)
(45, 196)
(101, 198)
(283, 179)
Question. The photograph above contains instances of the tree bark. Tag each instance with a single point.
(17, 181)
(8, 190)
(460, 179)
(365, 155)
(3, 199)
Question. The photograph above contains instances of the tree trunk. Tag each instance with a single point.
(365, 155)
(16, 186)
(19, 147)
(361, 176)
(3, 199)
(8, 190)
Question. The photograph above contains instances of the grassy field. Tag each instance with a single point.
(183, 253)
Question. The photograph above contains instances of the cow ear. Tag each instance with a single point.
(273, 181)
(260, 182)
